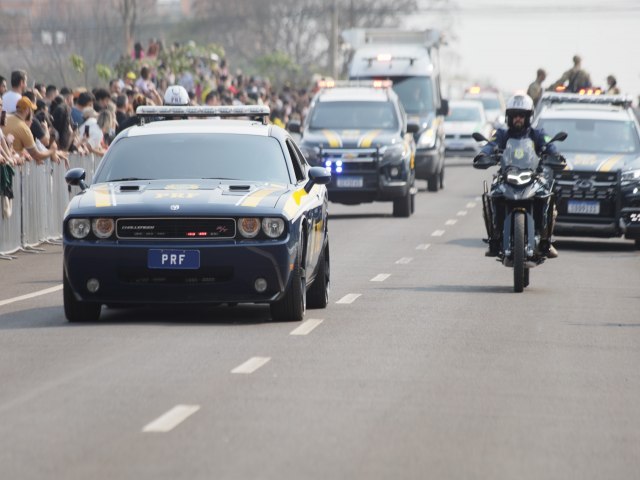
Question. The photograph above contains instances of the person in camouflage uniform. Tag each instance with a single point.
(535, 89)
(573, 79)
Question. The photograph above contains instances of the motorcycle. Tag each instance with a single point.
(519, 209)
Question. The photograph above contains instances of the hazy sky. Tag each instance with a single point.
(508, 44)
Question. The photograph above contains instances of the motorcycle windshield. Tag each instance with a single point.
(520, 153)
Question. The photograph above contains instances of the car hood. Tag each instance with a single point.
(466, 128)
(327, 138)
(588, 162)
(179, 197)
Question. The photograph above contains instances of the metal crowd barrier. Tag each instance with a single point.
(40, 198)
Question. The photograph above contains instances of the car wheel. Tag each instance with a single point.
(75, 310)
(637, 244)
(318, 293)
(432, 182)
(441, 179)
(291, 307)
(402, 205)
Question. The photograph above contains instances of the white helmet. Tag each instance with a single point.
(176, 95)
(519, 104)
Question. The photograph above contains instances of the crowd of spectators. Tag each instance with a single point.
(49, 122)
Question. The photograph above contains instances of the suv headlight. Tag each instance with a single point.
(394, 153)
(631, 176)
(427, 138)
(79, 227)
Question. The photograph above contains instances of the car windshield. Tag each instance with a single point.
(194, 156)
(416, 94)
(354, 116)
(594, 136)
(463, 114)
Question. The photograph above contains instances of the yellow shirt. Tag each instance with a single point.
(23, 138)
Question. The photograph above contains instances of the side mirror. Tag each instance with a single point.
(444, 108)
(293, 126)
(478, 137)
(483, 162)
(557, 163)
(413, 126)
(75, 177)
(317, 175)
(559, 137)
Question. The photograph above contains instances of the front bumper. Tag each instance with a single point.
(630, 222)
(374, 187)
(227, 272)
(461, 147)
(428, 162)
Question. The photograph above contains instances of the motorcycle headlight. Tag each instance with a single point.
(520, 178)
(427, 138)
(79, 227)
(102, 227)
(631, 176)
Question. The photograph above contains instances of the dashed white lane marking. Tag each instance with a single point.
(404, 260)
(31, 295)
(423, 246)
(171, 419)
(471, 204)
(437, 233)
(307, 326)
(478, 199)
(451, 222)
(251, 365)
(461, 213)
(381, 277)
(349, 298)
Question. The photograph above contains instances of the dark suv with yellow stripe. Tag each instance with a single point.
(361, 134)
(598, 194)
(198, 210)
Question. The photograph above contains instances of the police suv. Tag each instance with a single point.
(359, 131)
(598, 194)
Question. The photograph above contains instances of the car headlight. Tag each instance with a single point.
(631, 176)
(249, 227)
(394, 152)
(427, 138)
(273, 227)
(79, 227)
(102, 227)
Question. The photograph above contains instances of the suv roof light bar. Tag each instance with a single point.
(260, 112)
(616, 100)
(355, 83)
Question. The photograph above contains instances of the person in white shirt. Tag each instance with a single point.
(18, 86)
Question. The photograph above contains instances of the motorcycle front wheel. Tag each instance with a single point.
(518, 252)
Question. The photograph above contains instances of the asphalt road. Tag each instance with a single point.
(424, 365)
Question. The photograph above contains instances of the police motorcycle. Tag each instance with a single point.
(518, 209)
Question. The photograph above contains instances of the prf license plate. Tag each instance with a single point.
(174, 259)
(582, 207)
(349, 182)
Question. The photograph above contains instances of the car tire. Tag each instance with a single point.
(291, 307)
(441, 179)
(433, 182)
(637, 244)
(318, 293)
(402, 205)
(75, 310)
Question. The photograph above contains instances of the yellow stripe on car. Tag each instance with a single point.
(294, 201)
(332, 138)
(608, 164)
(103, 196)
(253, 199)
(367, 139)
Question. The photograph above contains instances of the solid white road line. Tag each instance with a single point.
(307, 326)
(381, 277)
(471, 205)
(404, 261)
(423, 246)
(251, 365)
(171, 419)
(437, 233)
(462, 213)
(31, 295)
(451, 222)
(349, 298)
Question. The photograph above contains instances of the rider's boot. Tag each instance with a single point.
(493, 250)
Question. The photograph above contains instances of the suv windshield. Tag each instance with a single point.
(416, 94)
(354, 116)
(594, 136)
(194, 156)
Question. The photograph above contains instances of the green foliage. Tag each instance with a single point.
(278, 67)
(104, 72)
(78, 63)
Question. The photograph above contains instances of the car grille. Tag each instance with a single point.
(601, 186)
(175, 228)
(354, 160)
(144, 276)
(452, 136)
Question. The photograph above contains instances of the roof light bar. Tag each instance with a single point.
(593, 97)
(355, 83)
(168, 112)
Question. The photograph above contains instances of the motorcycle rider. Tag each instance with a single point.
(519, 112)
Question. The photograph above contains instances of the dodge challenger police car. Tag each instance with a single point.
(598, 193)
(198, 210)
(359, 131)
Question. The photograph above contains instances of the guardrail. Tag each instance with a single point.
(40, 198)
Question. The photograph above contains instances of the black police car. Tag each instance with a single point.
(198, 210)
(359, 131)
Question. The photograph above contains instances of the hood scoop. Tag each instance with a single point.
(239, 188)
(129, 188)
